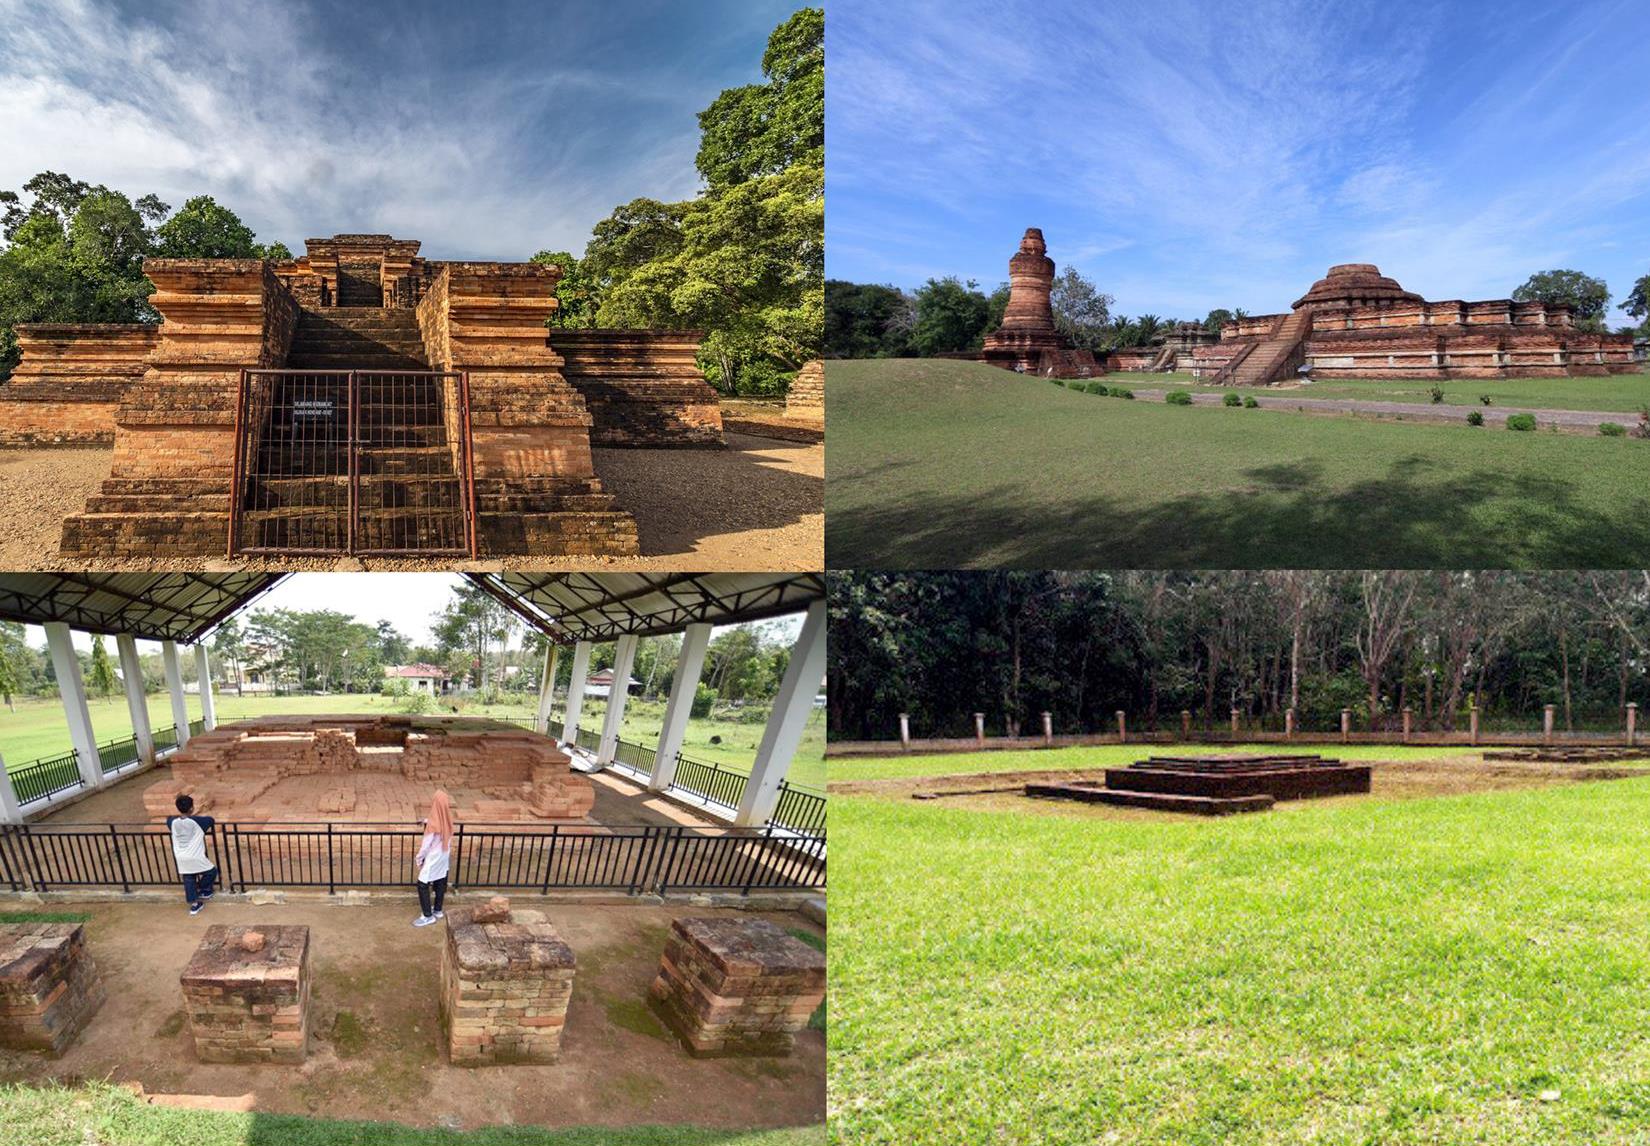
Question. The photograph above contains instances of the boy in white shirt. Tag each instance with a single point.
(189, 834)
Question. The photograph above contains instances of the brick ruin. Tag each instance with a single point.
(1354, 323)
(166, 396)
(364, 769)
(246, 993)
(1027, 341)
(805, 400)
(506, 981)
(737, 986)
(49, 986)
(1212, 785)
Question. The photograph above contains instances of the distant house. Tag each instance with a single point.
(600, 683)
(431, 679)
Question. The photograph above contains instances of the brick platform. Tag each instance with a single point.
(805, 400)
(69, 384)
(737, 986)
(505, 986)
(1213, 785)
(249, 1006)
(365, 769)
(49, 986)
(643, 387)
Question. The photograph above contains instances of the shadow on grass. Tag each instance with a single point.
(1419, 515)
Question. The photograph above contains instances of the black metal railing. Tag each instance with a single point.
(117, 754)
(637, 757)
(196, 727)
(45, 778)
(555, 728)
(587, 740)
(800, 809)
(710, 782)
(166, 738)
(643, 859)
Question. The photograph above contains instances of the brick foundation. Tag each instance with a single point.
(249, 1006)
(505, 987)
(49, 986)
(70, 382)
(737, 986)
(643, 387)
(805, 400)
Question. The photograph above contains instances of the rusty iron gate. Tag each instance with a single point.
(368, 462)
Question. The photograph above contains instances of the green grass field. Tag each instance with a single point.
(111, 1116)
(939, 464)
(38, 728)
(1624, 393)
(1447, 970)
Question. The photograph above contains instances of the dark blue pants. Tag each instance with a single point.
(197, 884)
(439, 886)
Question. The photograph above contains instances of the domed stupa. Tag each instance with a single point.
(1356, 284)
(1028, 341)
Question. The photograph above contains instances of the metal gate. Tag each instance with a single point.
(353, 462)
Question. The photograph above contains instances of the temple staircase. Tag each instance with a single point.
(1164, 359)
(1274, 358)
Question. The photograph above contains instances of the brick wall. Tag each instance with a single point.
(49, 986)
(69, 384)
(249, 1006)
(505, 987)
(643, 387)
(737, 986)
(806, 397)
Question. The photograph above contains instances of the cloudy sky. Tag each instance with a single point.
(486, 129)
(1191, 155)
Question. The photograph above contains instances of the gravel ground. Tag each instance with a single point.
(38, 489)
(758, 505)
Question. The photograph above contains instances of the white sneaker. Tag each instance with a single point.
(441, 915)
(424, 921)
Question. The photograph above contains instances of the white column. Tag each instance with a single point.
(203, 671)
(624, 659)
(683, 685)
(137, 704)
(174, 685)
(72, 688)
(575, 691)
(10, 811)
(783, 733)
(547, 689)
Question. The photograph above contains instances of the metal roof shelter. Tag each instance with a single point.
(577, 609)
(571, 607)
(149, 606)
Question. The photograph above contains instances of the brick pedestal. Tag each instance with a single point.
(737, 986)
(49, 986)
(505, 987)
(249, 1005)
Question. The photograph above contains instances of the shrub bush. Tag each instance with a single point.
(703, 697)
(1231, 400)
(1120, 392)
(1097, 388)
(1521, 422)
(1475, 418)
(1437, 393)
(1178, 398)
(1612, 429)
(1249, 402)
(1485, 400)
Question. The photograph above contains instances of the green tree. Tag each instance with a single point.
(951, 316)
(470, 625)
(764, 129)
(1081, 309)
(1218, 318)
(576, 294)
(1587, 297)
(1637, 302)
(866, 320)
(102, 673)
(230, 645)
(203, 229)
(11, 650)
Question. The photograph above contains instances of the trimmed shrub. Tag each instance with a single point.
(1097, 388)
(1612, 429)
(703, 698)
(1484, 399)
(1437, 393)
(1249, 402)
(1178, 398)
(1120, 392)
(1231, 399)
(1524, 422)
(1475, 418)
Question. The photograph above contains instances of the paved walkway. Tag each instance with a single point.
(1408, 411)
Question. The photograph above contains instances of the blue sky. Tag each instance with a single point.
(488, 130)
(1192, 155)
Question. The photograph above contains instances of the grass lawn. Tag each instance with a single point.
(1621, 392)
(1447, 970)
(38, 729)
(940, 464)
(1098, 756)
(111, 1116)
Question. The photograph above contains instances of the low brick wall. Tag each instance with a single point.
(505, 986)
(249, 1006)
(643, 387)
(69, 385)
(737, 986)
(806, 397)
(49, 986)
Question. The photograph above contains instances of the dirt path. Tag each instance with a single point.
(375, 1036)
(758, 505)
(1578, 420)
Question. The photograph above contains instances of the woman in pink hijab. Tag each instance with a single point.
(434, 852)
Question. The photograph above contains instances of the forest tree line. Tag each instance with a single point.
(1084, 645)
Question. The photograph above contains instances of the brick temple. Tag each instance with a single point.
(168, 397)
(1353, 323)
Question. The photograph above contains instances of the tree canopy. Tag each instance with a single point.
(74, 252)
(941, 646)
(1587, 297)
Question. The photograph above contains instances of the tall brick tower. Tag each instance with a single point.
(1027, 341)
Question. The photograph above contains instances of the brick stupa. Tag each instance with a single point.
(1028, 341)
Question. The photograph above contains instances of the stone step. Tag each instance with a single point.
(432, 491)
(573, 534)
